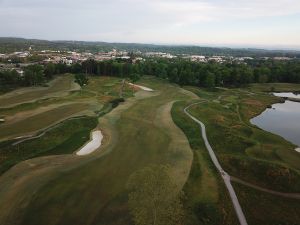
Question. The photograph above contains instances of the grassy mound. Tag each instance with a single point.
(244, 150)
(75, 133)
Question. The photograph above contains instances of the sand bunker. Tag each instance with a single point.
(297, 150)
(93, 145)
(142, 87)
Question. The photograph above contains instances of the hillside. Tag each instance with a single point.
(8, 44)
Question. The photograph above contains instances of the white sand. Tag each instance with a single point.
(91, 146)
(142, 87)
(297, 150)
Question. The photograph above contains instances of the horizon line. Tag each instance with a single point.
(204, 45)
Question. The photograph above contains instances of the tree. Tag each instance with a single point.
(76, 68)
(9, 78)
(34, 75)
(263, 74)
(173, 77)
(210, 80)
(61, 68)
(49, 70)
(117, 69)
(134, 77)
(161, 70)
(81, 79)
(154, 198)
(89, 66)
(246, 75)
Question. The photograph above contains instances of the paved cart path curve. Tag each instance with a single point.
(225, 176)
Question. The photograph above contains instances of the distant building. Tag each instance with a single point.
(66, 61)
(197, 58)
(21, 54)
(282, 58)
(159, 54)
(21, 72)
(124, 57)
(137, 59)
(218, 59)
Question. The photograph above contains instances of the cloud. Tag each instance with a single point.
(191, 11)
(183, 21)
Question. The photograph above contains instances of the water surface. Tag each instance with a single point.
(282, 119)
(287, 95)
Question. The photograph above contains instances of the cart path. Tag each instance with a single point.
(281, 194)
(225, 176)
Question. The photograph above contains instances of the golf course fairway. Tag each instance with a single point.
(87, 143)
(68, 189)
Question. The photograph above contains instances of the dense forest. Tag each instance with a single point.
(33, 76)
(8, 45)
(176, 71)
(200, 74)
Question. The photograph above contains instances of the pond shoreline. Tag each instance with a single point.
(280, 117)
(293, 99)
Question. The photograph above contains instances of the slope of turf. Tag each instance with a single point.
(244, 150)
(66, 189)
(206, 201)
(267, 209)
(76, 133)
(29, 117)
(250, 153)
(274, 87)
(40, 121)
(137, 133)
(56, 87)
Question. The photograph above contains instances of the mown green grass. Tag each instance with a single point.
(100, 89)
(61, 84)
(244, 150)
(65, 138)
(107, 88)
(40, 121)
(250, 153)
(274, 87)
(30, 106)
(97, 190)
(100, 92)
(267, 209)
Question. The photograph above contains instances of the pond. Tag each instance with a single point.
(282, 119)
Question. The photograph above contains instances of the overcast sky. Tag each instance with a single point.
(265, 23)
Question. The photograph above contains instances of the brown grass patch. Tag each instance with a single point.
(219, 119)
(253, 102)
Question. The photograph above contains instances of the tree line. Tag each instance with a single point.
(33, 75)
(177, 71)
(184, 72)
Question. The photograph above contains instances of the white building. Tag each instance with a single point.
(197, 58)
(66, 61)
(3, 56)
